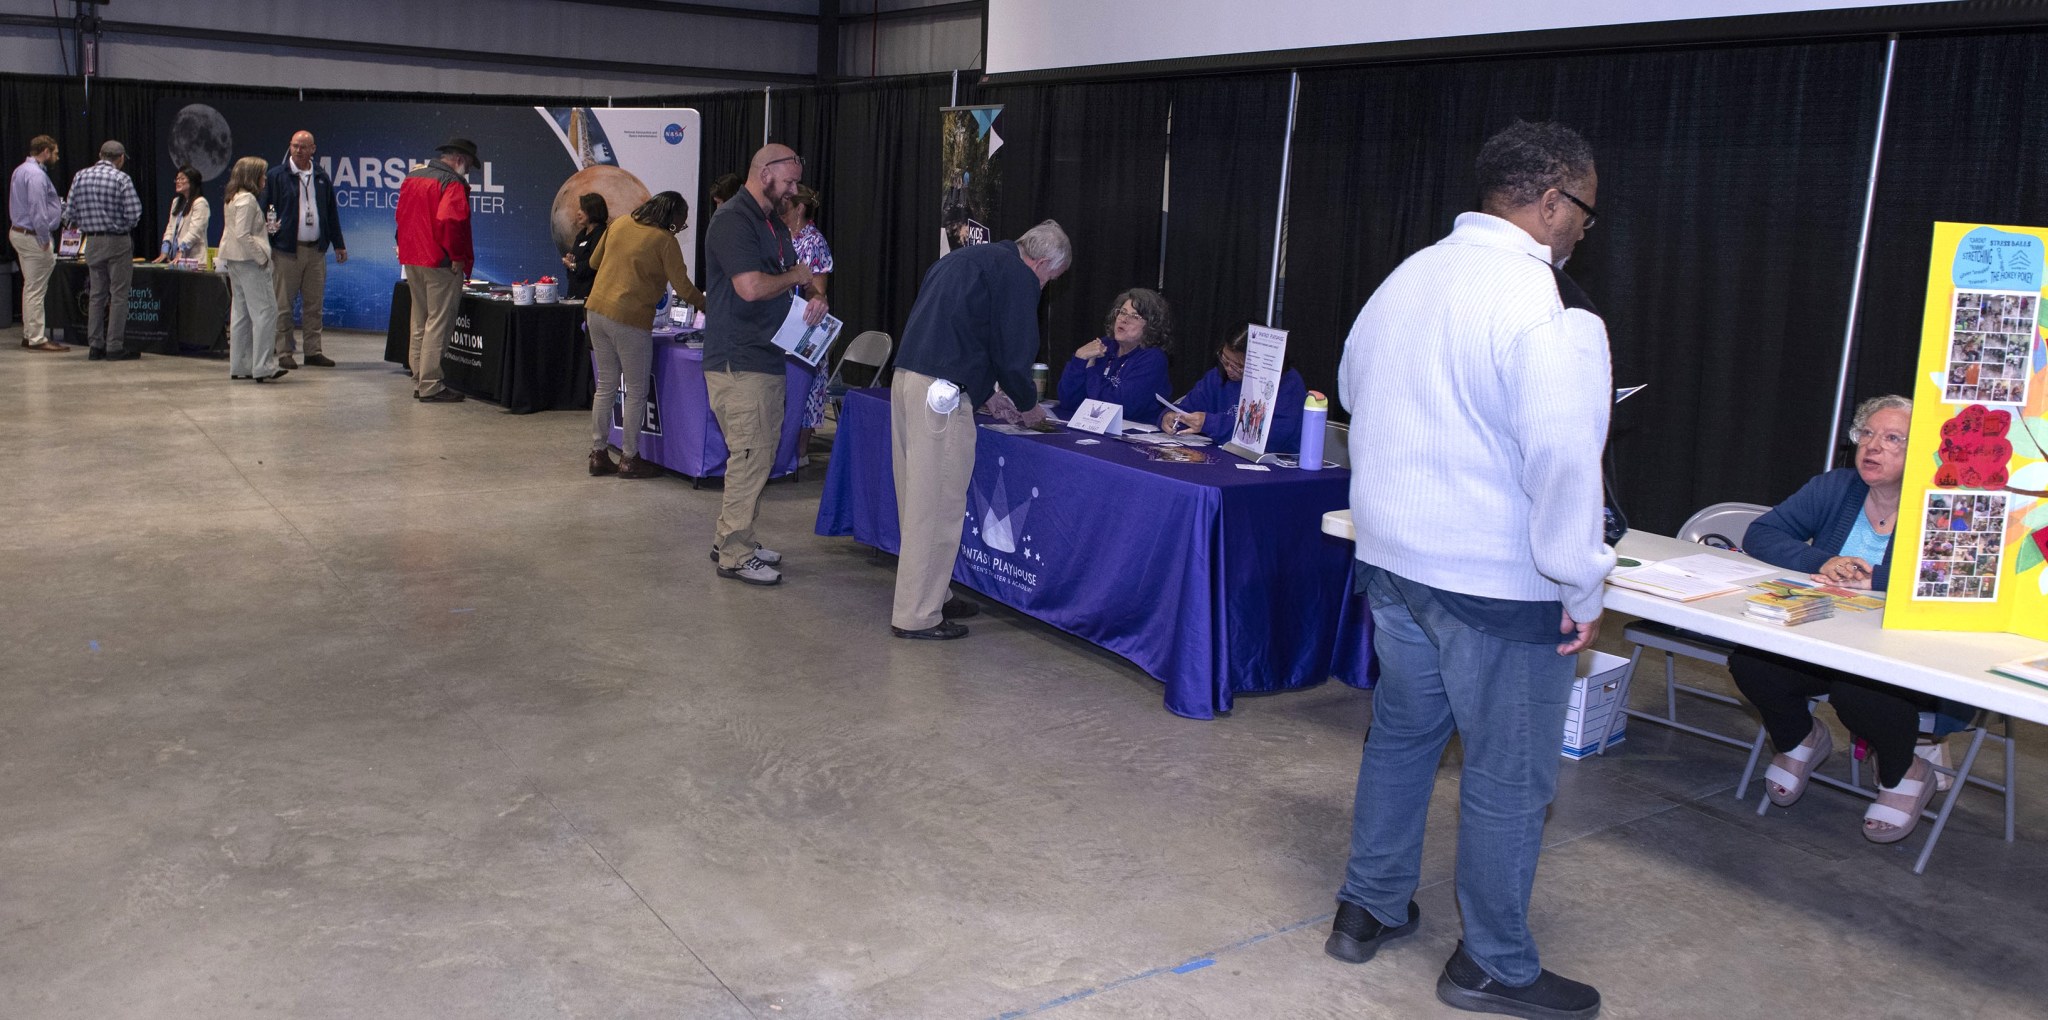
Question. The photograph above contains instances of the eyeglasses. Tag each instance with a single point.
(798, 160)
(1591, 215)
(1891, 441)
(1129, 313)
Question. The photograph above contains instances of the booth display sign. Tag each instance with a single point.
(537, 163)
(1973, 522)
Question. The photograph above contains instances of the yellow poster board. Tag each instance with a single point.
(1973, 520)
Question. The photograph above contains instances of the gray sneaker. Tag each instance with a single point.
(762, 553)
(753, 571)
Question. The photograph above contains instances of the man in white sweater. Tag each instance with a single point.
(1478, 384)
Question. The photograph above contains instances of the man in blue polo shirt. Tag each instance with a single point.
(750, 272)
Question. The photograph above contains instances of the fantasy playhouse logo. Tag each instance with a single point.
(1000, 548)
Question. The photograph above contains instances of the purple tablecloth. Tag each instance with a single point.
(1097, 539)
(682, 434)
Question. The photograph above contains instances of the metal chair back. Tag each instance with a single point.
(1722, 525)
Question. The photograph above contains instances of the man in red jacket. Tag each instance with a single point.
(434, 250)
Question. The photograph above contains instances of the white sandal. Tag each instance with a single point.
(1886, 823)
(1786, 783)
(1935, 751)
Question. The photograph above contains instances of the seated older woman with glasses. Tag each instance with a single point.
(1838, 528)
(1127, 365)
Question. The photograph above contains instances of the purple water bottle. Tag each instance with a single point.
(1315, 416)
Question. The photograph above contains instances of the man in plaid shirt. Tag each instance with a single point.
(104, 206)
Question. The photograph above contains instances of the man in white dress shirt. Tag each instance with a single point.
(301, 194)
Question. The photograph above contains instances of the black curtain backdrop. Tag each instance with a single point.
(1091, 156)
(1223, 202)
(1964, 141)
(872, 151)
(1730, 197)
(731, 123)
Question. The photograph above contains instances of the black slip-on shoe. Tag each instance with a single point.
(1465, 985)
(944, 630)
(1356, 935)
(957, 608)
(125, 356)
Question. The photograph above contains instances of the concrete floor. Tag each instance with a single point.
(318, 703)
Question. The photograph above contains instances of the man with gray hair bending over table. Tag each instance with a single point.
(974, 326)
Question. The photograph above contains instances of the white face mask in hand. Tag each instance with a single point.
(942, 397)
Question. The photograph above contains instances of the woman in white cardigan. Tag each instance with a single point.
(185, 234)
(245, 256)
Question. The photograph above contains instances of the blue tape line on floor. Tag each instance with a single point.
(1199, 962)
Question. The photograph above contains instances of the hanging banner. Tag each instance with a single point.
(1973, 523)
(537, 163)
(970, 177)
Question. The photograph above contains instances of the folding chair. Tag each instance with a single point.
(1980, 725)
(1720, 526)
(868, 351)
(1337, 443)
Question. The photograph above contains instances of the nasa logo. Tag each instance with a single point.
(672, 134)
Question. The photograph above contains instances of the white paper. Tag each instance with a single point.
(1708, 566)
(804, 342)
(1670, 584)
(1253, 467)
(1098, 416)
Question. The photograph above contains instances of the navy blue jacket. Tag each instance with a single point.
(975, 323)
(1821, 513)
(281, 193)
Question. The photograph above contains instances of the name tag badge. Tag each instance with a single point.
(1100, 417)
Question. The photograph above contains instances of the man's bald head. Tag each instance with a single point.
(302, 150)
(773, 176)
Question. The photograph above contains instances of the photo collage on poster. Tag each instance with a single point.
(1961, 547)
(1989, 346)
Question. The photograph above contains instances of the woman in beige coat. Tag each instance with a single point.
(245, 257)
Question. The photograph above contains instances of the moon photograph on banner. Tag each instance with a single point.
(536, 164)
(970, 137)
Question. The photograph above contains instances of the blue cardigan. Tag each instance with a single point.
(1810, 528)
(1216, 397)
(1134, 380)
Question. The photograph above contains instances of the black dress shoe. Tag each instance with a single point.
(945, 630)
(96, 354)
(1465, 985)
(319, 361)
(443, 397)
(125, 356)
(274, 376)
(241, 377)
(1356, 935)
(957, 608)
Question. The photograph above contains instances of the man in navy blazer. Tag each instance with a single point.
(299, 197)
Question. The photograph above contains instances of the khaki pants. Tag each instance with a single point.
(933, 458)
(36, 263)
(302, 274)
(436, 294)
(109, 268)
(748, 406)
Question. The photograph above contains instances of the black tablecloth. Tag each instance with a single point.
(170, 311)
(525, 357)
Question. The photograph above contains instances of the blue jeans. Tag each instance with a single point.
(1506, 700)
